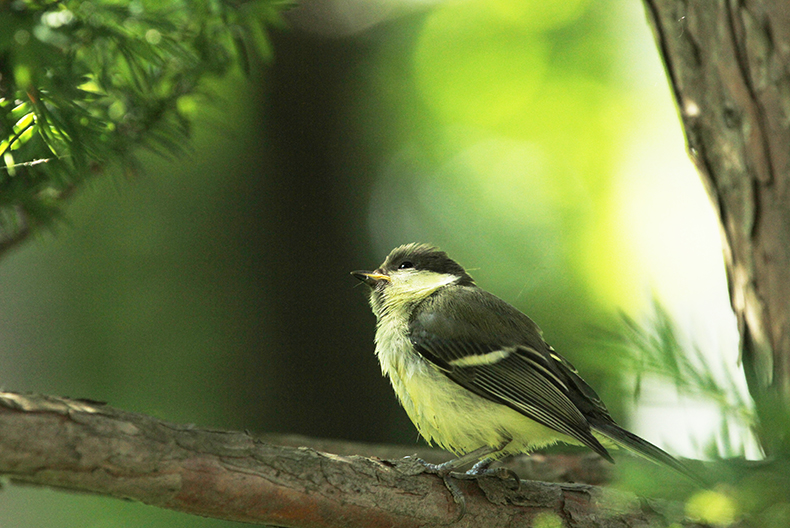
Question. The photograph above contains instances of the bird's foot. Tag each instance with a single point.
(501, 473)
(445, 471)
(479, 470)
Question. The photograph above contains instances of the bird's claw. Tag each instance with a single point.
(450, 478)
(447, 476)
(458, 495)
(501, 473)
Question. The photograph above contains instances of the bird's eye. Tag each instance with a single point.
(406, 264)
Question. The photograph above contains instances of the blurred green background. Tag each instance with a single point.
(534, 141)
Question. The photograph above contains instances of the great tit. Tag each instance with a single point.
(475, 374)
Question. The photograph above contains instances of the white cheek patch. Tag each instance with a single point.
(411, 285)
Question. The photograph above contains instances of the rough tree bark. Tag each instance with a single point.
(728, 63)
(88, 446)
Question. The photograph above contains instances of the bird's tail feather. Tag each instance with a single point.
(645, 449)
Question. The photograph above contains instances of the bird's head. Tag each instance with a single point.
(409, 274)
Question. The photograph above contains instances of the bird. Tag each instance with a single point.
(474, 373)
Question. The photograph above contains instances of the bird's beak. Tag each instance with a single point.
(371, 278)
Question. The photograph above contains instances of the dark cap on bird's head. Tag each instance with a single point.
(420, 257)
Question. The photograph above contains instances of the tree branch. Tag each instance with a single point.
(582, 466)
(88, 446)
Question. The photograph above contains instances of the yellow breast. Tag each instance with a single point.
(443, 411)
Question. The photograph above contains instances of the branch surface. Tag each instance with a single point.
(88, 446)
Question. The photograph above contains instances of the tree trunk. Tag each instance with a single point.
(728, 63)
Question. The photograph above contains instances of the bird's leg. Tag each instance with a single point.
(446, 470)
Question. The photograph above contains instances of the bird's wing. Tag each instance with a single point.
(495, 351)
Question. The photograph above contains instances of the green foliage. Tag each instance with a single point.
(84, 85)
(656, 349)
